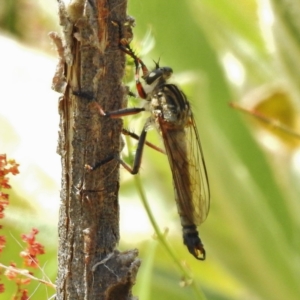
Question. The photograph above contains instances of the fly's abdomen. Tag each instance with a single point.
(189, 229)
(183, 181)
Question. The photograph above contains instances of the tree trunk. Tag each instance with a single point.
(90, 69)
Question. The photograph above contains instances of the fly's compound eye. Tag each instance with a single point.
(167, 72)
(153, 75)
(164, 72)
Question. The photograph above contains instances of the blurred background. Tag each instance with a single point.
(242, 52)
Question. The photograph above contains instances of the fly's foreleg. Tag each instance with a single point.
(138, 62)
(124, 41)
(125, 47)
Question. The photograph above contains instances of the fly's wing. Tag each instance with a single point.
(198, 174)
(188, 168)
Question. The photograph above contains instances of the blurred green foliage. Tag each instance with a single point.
(252, 232)
(29, 21)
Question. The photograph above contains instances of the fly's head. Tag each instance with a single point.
(156, 77)
(159, 75)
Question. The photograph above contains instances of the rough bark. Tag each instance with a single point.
(90, 69)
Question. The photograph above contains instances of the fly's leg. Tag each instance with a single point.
(126, 112)
(141, 140)
(138, 62)
(124, 46)
(137, 159)
(125, 37)
(135, 168)
(137, 137)
(138, 155)
(100, 163)
(116, 114)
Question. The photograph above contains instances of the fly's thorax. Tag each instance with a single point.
(170, 105)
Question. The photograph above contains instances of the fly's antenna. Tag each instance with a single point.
(156, 63)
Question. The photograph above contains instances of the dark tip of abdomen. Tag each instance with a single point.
(193, 242)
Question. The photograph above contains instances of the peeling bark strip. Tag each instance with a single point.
(90, 69)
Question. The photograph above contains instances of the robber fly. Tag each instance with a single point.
(171, 114)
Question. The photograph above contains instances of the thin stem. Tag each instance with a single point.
(26, 273)
(162, 238)
(274, 123)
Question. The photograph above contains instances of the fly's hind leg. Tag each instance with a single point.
(138, 156)
(137, 137)
(141, 140)
(137, 159)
